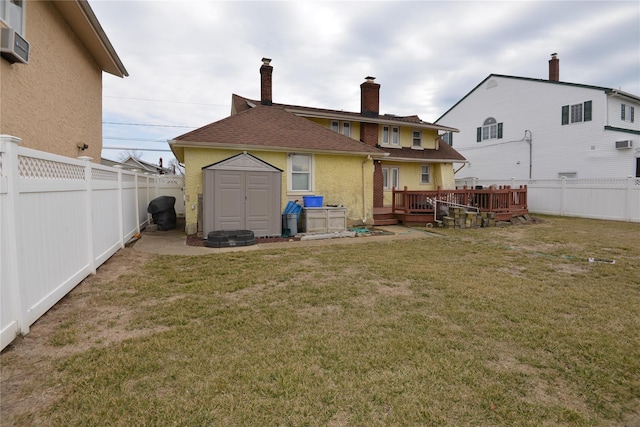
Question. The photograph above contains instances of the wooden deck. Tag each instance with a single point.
(421, 207)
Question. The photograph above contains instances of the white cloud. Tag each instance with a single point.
(426, 55)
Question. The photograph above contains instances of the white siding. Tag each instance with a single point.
(584, 148)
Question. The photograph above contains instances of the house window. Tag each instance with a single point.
(425, 174)
(300, 172)
(390, 135)
(627, 113)
(490, 129)
(346, 128)
(391, 177)
(12, 13)
(577, 113)
(342, 127)
(395, 136)
(417, 139)
(447, 138)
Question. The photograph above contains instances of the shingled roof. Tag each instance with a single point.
(444, 154)
(270, 128)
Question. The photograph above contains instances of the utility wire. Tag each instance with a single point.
(165, 100)
(133, 139)
(488, 145)
(135, 149)
(149, 125)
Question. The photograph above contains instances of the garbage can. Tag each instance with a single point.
(289, 225)
(163, 212)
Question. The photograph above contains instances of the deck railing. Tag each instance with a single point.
(501, 200)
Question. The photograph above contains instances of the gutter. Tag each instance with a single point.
(183, 144)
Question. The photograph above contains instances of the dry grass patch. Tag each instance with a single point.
(476, 327)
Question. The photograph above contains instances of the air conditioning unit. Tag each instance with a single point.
(13, 47)
(621, 145)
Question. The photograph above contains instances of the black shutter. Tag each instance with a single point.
(451, 139)
(632, 114)
(622, 112)
(499, 130)
(587, 111)
(565, 114)
(479, 135)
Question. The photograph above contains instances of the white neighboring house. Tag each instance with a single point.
(525, 128)
(133, 163)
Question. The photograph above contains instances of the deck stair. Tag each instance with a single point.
(384, 216)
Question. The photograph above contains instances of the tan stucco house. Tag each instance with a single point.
(53, 57)
(352, 159)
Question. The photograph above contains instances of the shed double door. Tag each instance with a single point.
(243, 200)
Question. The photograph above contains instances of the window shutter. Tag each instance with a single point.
(565, 114)
(479, 135)
(587, 111)
(451, 137)
(632, 114)
(499, 130)
(622, 112)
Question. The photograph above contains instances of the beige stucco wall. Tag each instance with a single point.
(53, 103)
(339, 179)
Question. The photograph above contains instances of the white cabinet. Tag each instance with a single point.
(323, 220)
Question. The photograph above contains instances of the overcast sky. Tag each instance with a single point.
(186, 58)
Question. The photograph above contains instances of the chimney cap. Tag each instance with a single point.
(369, 79)
(553, 55)
(266, 61)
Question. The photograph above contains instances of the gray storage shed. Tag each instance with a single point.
(242, 193)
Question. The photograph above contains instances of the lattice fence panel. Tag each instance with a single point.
(104, 175)
(31, 167)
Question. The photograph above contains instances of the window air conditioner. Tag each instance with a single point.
(621, 145)
(13, 47)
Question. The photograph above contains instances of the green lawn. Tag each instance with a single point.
(485, 327)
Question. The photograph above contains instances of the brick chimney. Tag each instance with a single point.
(266, 96)
(370, 98)
(554, 68)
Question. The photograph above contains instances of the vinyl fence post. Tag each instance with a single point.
(563, 185)
(9, 175)
(120, 207)
(137, 202)
(628, 199)
(89, 211)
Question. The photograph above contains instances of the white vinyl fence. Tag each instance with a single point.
(60, 219)
(599, 198)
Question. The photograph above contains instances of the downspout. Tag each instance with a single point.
(530, 142)
(364, 191)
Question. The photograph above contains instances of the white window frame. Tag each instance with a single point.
(395, 135)
(490, 129)
(422, 174)
(341, 127)
(627, 113)
(291, 172)
(9, 19)
(576, 113)
(417, 133)
(390, 177)
(391, 135)
(346, 129)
